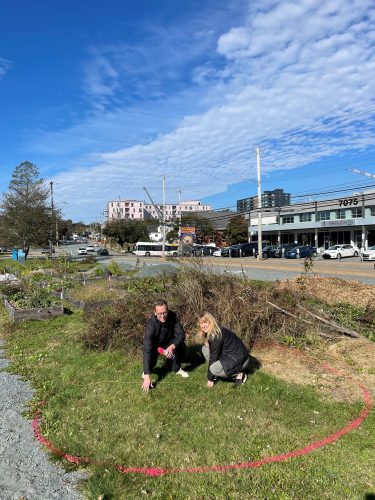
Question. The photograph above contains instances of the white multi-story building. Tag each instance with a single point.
(349, 219)
(133, 209)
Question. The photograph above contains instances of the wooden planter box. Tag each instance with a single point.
(87, 306)
(37, 313)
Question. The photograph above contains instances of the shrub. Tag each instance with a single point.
(234, 301)
(89, 259)
(120, 326)
(114, 268)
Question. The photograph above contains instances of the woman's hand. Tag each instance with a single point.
(210, 384)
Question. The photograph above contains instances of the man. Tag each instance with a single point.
(163, 330)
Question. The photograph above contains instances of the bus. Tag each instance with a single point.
(152, 249)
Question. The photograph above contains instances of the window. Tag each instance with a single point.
(305, 217)
(356, 212)
(326, 215)
(372, 211)
(340, 214)
(288, 219)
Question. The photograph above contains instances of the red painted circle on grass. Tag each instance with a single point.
(159, 471)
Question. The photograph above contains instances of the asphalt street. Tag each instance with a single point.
(265, 270)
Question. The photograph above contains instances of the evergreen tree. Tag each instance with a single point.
(237, 230)
(27, 218)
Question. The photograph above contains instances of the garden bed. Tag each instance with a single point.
(35, 313)
(86, 305)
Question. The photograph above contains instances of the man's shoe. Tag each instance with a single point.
(240, 381)
(183, 373)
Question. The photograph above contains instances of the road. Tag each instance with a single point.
(266, 270)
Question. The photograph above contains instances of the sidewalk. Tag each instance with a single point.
(25, 469)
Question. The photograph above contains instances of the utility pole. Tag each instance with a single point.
(260, 253)
(163, 248)
(179, 191)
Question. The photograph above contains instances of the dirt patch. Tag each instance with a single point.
(352, 360)
(331, 290)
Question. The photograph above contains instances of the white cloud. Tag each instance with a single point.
(4, 67)
(296, 79)
(101, 80)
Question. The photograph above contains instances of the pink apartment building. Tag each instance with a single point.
(133, 209)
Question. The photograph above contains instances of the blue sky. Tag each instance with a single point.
(106, 97)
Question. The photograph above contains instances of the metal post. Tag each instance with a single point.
(163, 247)
(259, 206)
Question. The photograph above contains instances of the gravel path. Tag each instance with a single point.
(25, 470)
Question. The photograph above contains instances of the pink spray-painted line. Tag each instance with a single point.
(160, 471)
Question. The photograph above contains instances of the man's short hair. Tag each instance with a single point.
(160, 302)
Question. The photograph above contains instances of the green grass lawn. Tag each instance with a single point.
(94, 407)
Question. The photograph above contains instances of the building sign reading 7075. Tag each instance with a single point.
(346, 202)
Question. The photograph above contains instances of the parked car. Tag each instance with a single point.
(339, 251)
(204, 250)
(300, 252)
(281, 249)
(48, 250)
(102, 251)
(266, 251)
(225, 251)
(369, 254)
(244, 249)
(82, 251)
(90, 248)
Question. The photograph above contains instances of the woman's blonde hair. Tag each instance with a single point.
(214, 330)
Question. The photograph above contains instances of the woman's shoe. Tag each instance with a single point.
(240, 381)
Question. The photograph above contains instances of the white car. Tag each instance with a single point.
(90, 248)
(82, 251)
(339, 251)
(369, 254)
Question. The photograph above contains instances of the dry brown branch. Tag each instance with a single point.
(335, 326)
(331, 324)
(289, 314)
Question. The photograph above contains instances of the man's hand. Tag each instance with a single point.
(147, 383)
(168, 352)
(210, 384)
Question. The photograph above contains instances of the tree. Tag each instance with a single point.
(237, 230)
(204, 230)
(129, 231)
(27, 219)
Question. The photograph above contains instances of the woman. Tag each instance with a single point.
(226, 354)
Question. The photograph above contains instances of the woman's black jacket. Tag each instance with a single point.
(229, 350)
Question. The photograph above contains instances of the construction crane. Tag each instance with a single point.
(158, 211)
(362, 172)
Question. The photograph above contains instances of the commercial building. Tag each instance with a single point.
(269, 199)
(349, 220)
(134, 209)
